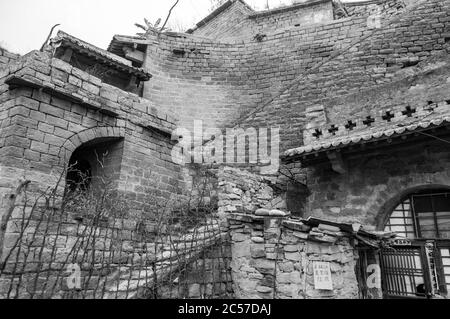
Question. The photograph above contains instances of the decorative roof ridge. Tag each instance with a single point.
(369, 134)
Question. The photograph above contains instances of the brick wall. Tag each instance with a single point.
(291, 69)
(206, 81)
(238, 22)
(41, 128)
(371, 62)
(423, 88)
(231, 23)
(298, 15)
(355, 8)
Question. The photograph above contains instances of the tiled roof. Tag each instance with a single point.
(119, 41)
(120, 62)
(385, 132)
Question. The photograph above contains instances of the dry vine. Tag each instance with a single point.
(172, 251)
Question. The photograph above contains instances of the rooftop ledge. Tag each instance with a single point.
(38, 70)
(288, 8)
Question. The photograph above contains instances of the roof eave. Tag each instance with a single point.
(321, 155)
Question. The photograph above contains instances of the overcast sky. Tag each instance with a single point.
(25, 24)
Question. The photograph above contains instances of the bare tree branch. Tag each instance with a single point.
(49, 36)
(169, 14)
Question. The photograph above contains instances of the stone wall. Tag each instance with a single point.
(7, 57)
(242, 191)
(273, 254)
(272, 257)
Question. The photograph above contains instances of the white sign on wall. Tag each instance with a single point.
(322, 276)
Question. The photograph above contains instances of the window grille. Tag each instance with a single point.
(422, 269)
(402, 272)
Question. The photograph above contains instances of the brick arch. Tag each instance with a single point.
(78, 139)
(388, 207)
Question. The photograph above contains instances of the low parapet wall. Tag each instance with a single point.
(7, 57)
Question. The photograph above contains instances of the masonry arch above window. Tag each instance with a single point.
(422, 215)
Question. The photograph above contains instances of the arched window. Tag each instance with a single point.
(424, 215)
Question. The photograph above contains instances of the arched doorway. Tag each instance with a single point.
(94, 166)
(418, 266)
